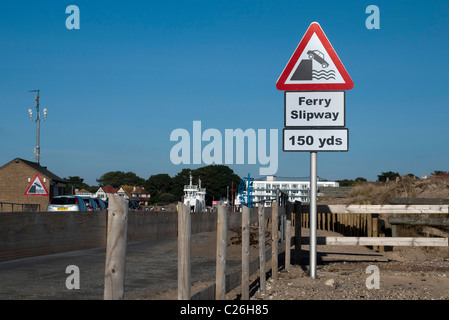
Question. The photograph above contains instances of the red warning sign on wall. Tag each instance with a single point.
(314, 66)
(36, 187)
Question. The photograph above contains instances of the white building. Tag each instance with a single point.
(297, 190)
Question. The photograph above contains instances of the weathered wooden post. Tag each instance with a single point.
(298, 226)
(376, 229)
(369, 225)
(245, 253)
(184, 251)
(274, 238)
(114, 277)
(222, 227)
(261, 214)
(288, 235)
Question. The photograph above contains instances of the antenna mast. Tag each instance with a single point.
(37, 148)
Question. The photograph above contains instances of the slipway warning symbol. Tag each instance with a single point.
(314, 65)
(36, 187)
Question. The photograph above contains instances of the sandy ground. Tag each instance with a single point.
(345, 273)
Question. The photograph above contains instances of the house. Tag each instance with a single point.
(28, 185)
(104, 192)
(136, 193)
(84, 193)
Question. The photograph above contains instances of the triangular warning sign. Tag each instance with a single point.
(314, 66)
(36, 187)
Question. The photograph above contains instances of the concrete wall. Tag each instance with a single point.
(27, 234)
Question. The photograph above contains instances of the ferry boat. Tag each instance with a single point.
(195, 196)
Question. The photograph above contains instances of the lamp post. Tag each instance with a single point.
(38, 120)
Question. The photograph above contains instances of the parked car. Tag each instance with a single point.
(90, 204)
(67, 203)
(133, 205)
(101, 204)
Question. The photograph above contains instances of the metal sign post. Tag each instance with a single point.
(314, 81)
(313, 213)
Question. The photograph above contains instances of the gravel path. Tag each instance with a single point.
(418, 280)
(405, 273)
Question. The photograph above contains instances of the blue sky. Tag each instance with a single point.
(136, 70)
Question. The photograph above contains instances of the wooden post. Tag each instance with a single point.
(288, 235)
(222, 227)
(352, 224)
(382, 248)
(306, 220)
(319, 221)
(298, 225)
(262, 267)
(184, 251)
(245, 253)
(274, 238)
(114, 277)
(375, 229)
(337, 222)
(369, 225)
(394, 228)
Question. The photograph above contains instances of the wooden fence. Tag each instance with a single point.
(359, 225)
(280, 219)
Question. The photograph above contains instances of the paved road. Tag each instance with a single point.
(151, 267)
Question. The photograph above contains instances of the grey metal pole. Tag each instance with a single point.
(38, 132)
(313, 212)
(37, 148)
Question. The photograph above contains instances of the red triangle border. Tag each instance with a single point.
(36, 195)
(314, 28)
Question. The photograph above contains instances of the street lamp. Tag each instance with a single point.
(37, 120)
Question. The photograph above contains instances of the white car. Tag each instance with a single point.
(67, 203)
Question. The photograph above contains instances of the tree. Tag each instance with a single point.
(75, 182)
(159, 183)
(350, 183)
(345, 182)
(438, 172)
(215, 178)
(390, 176)
(166, 198)
(118, 178)
(358, 180)
(178, 182)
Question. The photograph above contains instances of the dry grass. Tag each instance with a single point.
(379, 192)
(407, 187)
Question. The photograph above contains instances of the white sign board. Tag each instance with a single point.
(314, 109)
(315, 140)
